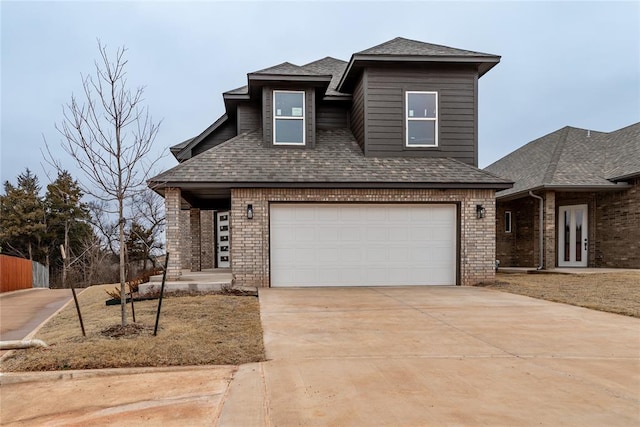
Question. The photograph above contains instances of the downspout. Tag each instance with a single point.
(540, 228)
(18, 344)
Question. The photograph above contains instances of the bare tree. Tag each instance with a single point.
(109, 134)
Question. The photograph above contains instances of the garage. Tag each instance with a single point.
(335, 244)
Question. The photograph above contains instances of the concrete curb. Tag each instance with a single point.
(25, 377)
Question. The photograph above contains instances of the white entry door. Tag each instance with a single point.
(362, 244)
(223, 243)
(573, 241)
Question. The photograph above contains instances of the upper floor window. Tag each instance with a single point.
(421, 119)
(288, 117)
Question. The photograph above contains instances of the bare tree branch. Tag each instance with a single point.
(109, 136)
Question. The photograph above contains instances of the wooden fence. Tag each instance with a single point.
(19, 273)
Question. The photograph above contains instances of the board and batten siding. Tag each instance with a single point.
(220, 135)
(309, 111)
(248, 117)
(384, 110)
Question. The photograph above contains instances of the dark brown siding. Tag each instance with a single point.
(223, 133)
(267, 116)
(248, 117)
(457, 111)
(357, 111)
(331, 116)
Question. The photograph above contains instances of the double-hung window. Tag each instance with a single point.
(288, 117)
(421, 119)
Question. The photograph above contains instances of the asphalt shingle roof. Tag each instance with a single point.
(571, 157)
(336, 158)
(332, 66)
(623, 157)
(407, 47)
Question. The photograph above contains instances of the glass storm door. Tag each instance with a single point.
(573, 243)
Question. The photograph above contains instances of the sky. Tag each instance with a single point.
(563, 63)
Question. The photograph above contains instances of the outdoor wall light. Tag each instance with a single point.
(249, 211)
(480, 211)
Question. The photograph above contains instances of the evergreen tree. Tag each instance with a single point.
(67, 221)
(22, 219)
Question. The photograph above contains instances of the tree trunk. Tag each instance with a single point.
(123, 291)
(65, 260)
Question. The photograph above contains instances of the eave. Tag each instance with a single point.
(359, 61)
(564, 189)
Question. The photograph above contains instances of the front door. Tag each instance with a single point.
(573, 242)
(222, 233)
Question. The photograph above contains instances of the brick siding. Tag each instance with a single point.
(250, 238)
(613, 228)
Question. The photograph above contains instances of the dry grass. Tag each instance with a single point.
(194, 330)
(613, 292)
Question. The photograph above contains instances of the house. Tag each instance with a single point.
(341, 173)
(587, 185)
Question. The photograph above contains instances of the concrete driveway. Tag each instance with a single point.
(418, 356)
(436, 356)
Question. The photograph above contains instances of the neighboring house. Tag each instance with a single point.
(342, 174)
(590, 185)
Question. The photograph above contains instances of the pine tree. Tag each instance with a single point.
(67, 221)
(22, 219)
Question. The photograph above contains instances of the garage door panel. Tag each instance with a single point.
(362, 244)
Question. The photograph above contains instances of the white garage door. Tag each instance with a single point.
(362, 244)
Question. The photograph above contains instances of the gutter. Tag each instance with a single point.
(540, 228)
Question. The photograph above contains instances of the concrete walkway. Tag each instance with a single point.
(23, 311)
(436, 356)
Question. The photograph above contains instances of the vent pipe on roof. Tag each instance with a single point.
(588, 133)
(540, 229)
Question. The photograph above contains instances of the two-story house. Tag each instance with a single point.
(341, 173)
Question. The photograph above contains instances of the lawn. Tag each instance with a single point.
(613, 292)
(194, 330)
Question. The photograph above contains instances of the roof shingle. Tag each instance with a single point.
(407, 47)
(336, 158)
(571, 157)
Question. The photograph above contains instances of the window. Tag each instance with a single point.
(422, 119)
(507, 222)
(288, 117)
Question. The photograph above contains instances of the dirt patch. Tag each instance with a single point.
(193, 330)
(613, 292)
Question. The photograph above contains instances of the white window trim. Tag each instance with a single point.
(508, 224)
(430, 119)
(303, 118)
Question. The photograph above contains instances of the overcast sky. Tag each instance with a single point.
(563, 63)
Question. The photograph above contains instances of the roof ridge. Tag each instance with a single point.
(555, 156)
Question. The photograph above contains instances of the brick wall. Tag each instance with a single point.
(172, 201)
(185, 239)
(617, 219)
(518, 248)
(206, 239)
(613, 228)
(250, 238)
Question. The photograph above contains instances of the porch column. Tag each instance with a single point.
(172, 202)
(196, 245)
(550, 253)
